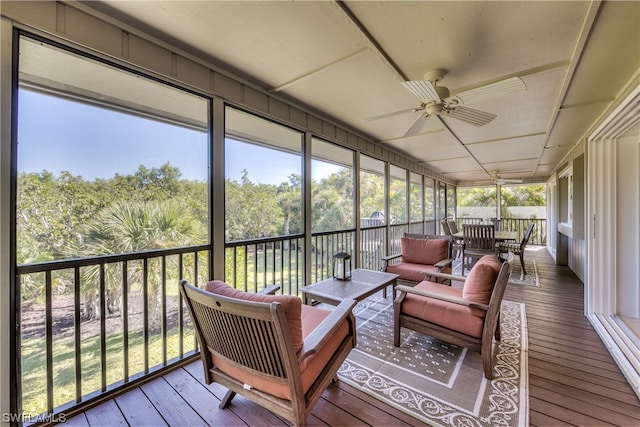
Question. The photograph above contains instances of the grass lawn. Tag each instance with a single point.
(34, 364)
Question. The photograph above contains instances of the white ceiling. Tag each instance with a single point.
(346, 60)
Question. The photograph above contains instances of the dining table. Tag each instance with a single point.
(500, 236)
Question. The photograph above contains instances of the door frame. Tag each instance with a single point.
(601, 292)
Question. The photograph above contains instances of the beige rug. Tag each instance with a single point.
(517, 276)
(438, 383)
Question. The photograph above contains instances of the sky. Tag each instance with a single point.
(57, 134)
(61, 135)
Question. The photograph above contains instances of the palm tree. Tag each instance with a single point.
(126, 227)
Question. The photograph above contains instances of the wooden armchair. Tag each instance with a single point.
(270, 349)
(479, 240)
(468, 317)
(420, 255)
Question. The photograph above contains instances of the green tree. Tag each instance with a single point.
(477, 196)
(371, 194)
(251, 210)
(398, 200)
(53, 211)
(289, 199)
(524, 195)
(332, 201)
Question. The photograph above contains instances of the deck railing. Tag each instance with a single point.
(90, 326)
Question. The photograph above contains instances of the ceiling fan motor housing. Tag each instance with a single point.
(442, 92)
(434, 109)
(435, 75)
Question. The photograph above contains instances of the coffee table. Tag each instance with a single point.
(363, 283)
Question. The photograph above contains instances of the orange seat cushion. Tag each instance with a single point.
(449, 315)
(423, 251)
(312, 366)
(479, 284)
(412, 271)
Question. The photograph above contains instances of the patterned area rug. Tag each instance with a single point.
(517, 276)
(438, 383)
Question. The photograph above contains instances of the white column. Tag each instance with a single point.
(6, 62)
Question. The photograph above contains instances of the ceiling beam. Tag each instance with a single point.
(587, 103)
(508, 138)
(375, 46)
(522, 73)
(317, 70)
(578, 51)
(462, 144)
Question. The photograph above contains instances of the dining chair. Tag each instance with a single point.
(478, 240)
(517, 248)
(456, 242)
(453, 226)
(445, 227)
(271, 349)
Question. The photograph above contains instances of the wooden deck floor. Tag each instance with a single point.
(573, 379)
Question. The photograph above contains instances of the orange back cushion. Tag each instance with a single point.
(424, 251)
(292, 306)
(482, 277)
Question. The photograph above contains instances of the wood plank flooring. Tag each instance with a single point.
(573, 380)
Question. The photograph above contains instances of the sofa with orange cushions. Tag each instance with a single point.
(419, 255)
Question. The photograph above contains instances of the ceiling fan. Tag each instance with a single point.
(496, 179)
(437, 100)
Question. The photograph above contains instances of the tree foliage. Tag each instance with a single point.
(371, 194)
(251, 210)
(332, 202)
(58, 216)
(524, 195)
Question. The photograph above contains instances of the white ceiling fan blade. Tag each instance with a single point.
(422, 89)
(417, 125)
(497, 179)
(394, 113)
(471, 116)
(503, 87)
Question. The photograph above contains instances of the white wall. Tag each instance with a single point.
(565, 244)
